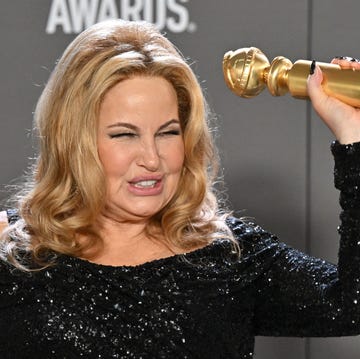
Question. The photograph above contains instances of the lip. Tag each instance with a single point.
(150, 191)
(152, 177)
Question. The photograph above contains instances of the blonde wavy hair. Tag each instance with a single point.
(67, 190)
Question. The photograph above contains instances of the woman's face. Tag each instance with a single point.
(140, 146)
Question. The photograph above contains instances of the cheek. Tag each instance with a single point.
(114, 162)
(179, 160)
(175, 157)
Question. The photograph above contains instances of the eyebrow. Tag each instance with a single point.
(133, 127)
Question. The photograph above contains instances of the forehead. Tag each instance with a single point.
(139, 98)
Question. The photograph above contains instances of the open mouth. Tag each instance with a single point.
(145, 184)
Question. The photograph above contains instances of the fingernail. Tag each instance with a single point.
(312, 67)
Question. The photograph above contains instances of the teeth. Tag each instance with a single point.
(145, 184)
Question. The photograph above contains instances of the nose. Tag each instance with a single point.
(149, 157)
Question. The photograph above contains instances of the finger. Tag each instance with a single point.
(314, 81)
(347, 62)
(319, 99)
(344, 64)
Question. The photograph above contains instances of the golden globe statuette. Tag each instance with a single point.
(247, 71)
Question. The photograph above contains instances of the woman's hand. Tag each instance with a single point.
(343, 120)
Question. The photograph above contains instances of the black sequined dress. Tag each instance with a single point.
(201, 305)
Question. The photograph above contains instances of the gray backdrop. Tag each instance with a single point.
(275, 151)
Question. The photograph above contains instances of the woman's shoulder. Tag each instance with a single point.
(246, 227)
(11, 283)
(251, 236)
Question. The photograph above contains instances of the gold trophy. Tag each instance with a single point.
(247, 71)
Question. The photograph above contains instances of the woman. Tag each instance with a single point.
(94, 263)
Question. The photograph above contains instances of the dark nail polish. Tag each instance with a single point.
(312, 67)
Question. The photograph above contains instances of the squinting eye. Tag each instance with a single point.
(123, 134)
(170, 133)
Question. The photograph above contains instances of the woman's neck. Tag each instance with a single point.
(126, 243)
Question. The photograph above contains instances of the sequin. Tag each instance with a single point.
(202, 305)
